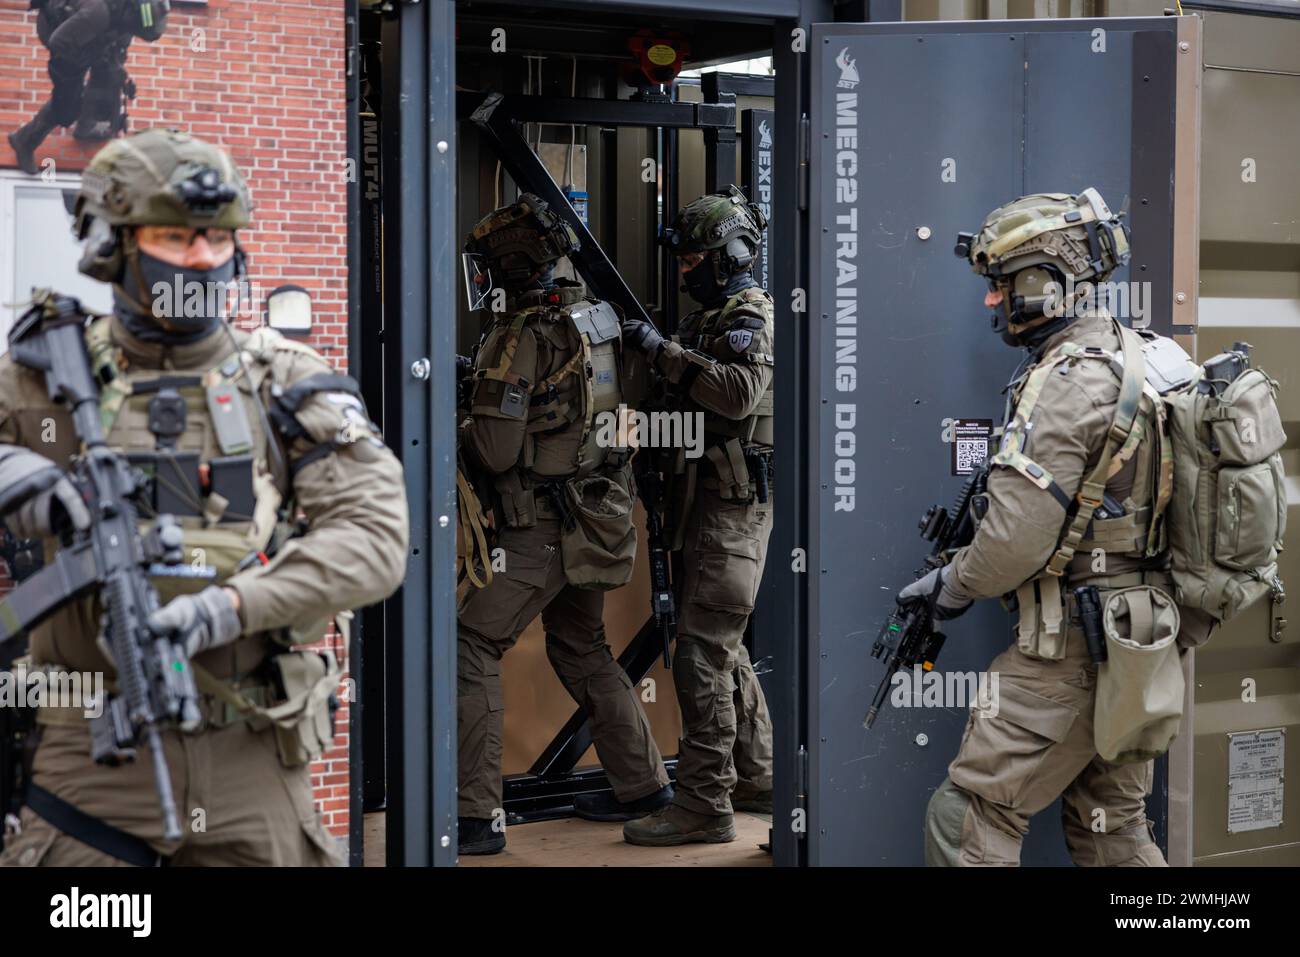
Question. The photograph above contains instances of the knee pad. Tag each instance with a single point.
(944, 817)
(961, 830)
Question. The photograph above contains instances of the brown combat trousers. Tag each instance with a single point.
(1032, 744)
(237, 804)
(491, 620)
(726, 739)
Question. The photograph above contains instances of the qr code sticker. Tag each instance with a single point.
(971, 453)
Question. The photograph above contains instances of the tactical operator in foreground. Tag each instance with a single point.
(549, 364)
(290, 507)
(719, 512)
(1074, 501)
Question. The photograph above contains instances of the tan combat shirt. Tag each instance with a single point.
(354, 500)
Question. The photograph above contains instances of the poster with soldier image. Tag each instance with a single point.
(88, 42)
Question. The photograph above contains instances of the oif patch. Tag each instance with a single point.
(740, 339)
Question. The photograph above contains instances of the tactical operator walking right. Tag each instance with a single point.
(1073, 521)
(86, 35)
(548, 365)
(720, 514)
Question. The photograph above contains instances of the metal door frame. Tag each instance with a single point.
(419, 210)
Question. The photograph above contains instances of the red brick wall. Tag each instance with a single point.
(265, 80)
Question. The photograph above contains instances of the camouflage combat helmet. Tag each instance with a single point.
(722, 220)
(1078, 236)
(522, 239)
(1039, 247)
(162, 177)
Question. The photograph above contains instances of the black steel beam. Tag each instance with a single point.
(530, 798)
(441, 268)
(356, 756)
(419, 220)
(669, 280)
(741, 84)
(719, 142)
(367, 345)
(789, 699)
(528, 171)
(582, 111)
(869, 11)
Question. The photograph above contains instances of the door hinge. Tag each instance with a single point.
(805, 159)
(801, 797)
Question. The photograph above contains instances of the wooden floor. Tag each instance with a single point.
(572, 842)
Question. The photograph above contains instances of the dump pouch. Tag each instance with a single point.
(598, 543)
(1139, 704)
(309, 678)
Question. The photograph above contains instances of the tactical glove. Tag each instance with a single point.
(36, 497)
(643, 337)
(941, 590)
(200, 622)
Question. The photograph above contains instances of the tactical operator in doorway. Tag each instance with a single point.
(1062, 491)
(719, 512)
(289, 506)
(87, 36)
(549, 363)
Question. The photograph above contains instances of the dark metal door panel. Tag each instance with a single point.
(951, 120)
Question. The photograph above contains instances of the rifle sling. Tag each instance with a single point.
(100, 835)
(69, 575)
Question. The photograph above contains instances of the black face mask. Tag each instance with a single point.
(705, 286)
(701, 283)
(184, 304)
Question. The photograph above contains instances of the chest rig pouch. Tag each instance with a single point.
(194, 438)
(1093, 520)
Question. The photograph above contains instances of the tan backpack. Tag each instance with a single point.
(1227, 515)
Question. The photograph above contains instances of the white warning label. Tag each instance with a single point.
(1255, 780)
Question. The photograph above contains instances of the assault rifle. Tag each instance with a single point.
(112, 557)
(650, 489)
(908, 636)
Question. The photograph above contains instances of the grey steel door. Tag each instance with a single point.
(917, 131)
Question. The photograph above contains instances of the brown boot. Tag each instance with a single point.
(675, 825)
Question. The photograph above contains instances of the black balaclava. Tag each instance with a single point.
(185, 321)
(705, 286)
